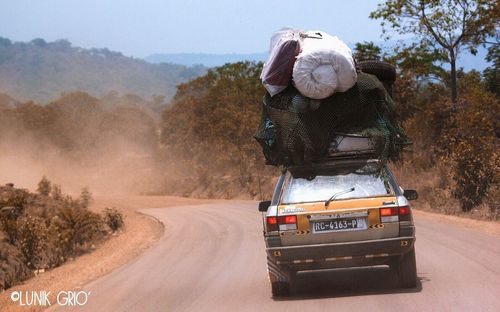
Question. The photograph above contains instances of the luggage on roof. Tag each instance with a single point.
(324, 66)
(277, 72)
(366, 110)
(329, 108)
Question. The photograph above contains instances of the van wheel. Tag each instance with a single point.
(407, 270)
(280, 289)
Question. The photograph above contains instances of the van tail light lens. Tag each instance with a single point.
(282, 223)
(404, 210)
(386, 212)
(287, 223)
(287, 220)
(272, 224)
(272, 220)
(395, 214)
(404, 213)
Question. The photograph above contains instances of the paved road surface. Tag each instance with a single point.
(211, 258)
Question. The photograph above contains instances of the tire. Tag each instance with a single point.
(407, 270)
(280, 289)
(384, 71)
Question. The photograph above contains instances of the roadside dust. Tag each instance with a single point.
(126, 170)
(109, 150)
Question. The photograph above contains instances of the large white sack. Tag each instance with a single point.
(324, 66)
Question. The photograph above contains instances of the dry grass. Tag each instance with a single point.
(435, 195)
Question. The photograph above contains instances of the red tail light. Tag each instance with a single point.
(386, 212)
(272, 220)
(404, 210)
(287, 220)
(282, 223)
(404, 213)
(395, 214)
(272, 224)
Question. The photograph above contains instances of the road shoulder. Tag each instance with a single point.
(139, 233)
(487, 227)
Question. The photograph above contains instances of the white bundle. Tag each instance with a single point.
(324, 66)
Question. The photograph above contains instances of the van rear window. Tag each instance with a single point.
(322, 187)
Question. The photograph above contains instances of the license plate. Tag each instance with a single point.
(339, 225)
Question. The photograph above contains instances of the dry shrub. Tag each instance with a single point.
(454, 162)
(472, 151)
(13, 269)
(41, 231)
(113, 218)
(32, 241)
(77, 229)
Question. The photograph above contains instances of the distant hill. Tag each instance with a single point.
(209, 60)
(466, 60)
(41, 71)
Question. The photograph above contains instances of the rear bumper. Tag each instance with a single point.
(330, 255)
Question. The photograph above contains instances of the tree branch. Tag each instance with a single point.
(425, 21)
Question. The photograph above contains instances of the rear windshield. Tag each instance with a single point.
(366, 183)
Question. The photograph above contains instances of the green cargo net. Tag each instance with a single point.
(289, 137)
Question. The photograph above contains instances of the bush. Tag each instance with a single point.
(32, 240)
(13, 269)
(113, 218)
(472, 150)
(44, 186)
(76, 230)
(41, 231)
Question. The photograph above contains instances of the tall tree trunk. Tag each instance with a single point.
(453, 83)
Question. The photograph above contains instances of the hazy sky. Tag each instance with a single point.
(140, 28)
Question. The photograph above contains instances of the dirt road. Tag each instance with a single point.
(211, 258)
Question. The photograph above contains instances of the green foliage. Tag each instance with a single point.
(491, 74)
(450, 24)
(421, 61)
(113, 218)
(445, 27)
(367, 51)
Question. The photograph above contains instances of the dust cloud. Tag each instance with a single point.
(110, 151)
(126, 172)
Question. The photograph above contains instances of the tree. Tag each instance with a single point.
(208, 130)
(44, 186)
(85, 197)
(367, 51)
(490, 74)
(420, 61)
(448, 26)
